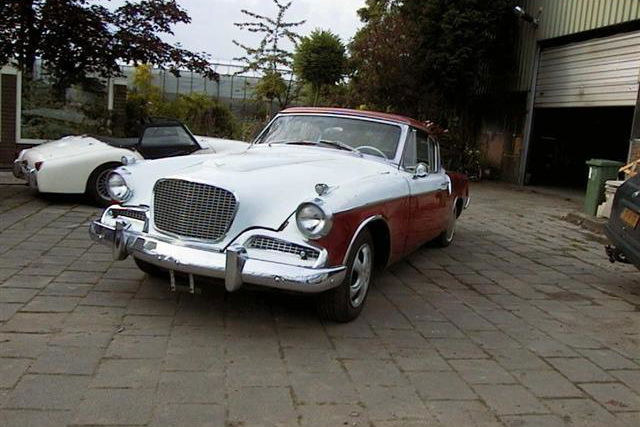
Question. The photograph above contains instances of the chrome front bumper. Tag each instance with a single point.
(233, 265)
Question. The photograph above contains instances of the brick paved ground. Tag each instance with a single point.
(522, 322)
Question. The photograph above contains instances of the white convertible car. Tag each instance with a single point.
(82, 164)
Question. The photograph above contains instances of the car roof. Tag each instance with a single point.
(358, 113)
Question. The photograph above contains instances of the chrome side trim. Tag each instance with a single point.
(362, 225)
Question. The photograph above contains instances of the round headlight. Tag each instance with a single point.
(313, 220)
(117, 188)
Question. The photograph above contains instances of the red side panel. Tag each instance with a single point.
(345, 224)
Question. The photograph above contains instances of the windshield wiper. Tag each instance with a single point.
(338, 144)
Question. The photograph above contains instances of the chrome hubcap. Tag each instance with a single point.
(360, 275)
(101, 184)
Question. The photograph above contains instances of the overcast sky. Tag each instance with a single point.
(212, 29)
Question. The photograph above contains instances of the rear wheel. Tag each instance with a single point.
(446, 237)
(150, 269)
(97, 184)
(345, 302)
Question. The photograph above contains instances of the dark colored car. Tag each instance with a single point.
(623, 228)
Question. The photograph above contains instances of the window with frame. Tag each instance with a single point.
(421, 148)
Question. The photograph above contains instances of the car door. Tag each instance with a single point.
(162, 141)
(429, 188)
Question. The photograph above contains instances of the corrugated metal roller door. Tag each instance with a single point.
(595, 73)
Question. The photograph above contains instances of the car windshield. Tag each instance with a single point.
(366, 136)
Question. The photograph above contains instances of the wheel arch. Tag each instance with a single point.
(116, 164)
(380, 233)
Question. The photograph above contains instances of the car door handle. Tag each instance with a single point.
(444, 186)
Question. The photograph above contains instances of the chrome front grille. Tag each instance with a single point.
(194, 210)
(271, 244)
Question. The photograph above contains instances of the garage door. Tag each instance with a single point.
(595, 73)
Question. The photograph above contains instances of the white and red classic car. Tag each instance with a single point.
(315, 204)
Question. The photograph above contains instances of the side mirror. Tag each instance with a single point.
(421, 171)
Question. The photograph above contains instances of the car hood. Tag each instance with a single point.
(269, 182)
(69, 146)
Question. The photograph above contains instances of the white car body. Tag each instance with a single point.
(67, 163)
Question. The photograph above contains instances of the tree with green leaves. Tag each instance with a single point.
(75, 38)
(320, 60)
(270, 56)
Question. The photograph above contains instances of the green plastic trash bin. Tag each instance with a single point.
(600, 171)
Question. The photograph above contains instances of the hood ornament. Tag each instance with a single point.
(322, 189)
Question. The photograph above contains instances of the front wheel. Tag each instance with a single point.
(344, 303)
(97, 184)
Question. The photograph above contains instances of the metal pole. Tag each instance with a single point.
(526, 137)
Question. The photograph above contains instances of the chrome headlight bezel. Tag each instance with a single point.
(118, 188)
(314, 219)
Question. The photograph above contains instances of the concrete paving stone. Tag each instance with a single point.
(78, 277)
(579, 369)
(191, 387)
(420, 360)
(51, 304)
(630, 378)
(481, 371)
(441, 385)
(360, 348)
(581, 412)
(92, 318)
(90, 339)
(47, 392)
(7, 310)
(197, 336)
(304, 360)
(22, 345)
(304, 338)
(117, 285)
(403, 339)
(261, 405)
(27, 281)
(613, 396)
(113, 406)
(533, 421)
(439, 330)
(16, 295)
(186, 358)
(11, 370)
(548, 347)
(254, 370)
(33, 418)
(193, 415)
(107, 299)
(392, 403)
(518, 359)
(548, 384)
(458, 348)
(462, 413)
(608, 359)
(628, 419)
(325, 388)
(510, 399)
(126, 373)
(66, 289)
(137, 347)
(35, 323)
(147, 325)
(386, 372)
(67, 360)
(243, 347)
(322, 415)
(151, 307)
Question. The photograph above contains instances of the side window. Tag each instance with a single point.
(166, 136)
(420, 148)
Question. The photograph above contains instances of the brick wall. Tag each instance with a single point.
(8, 117)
